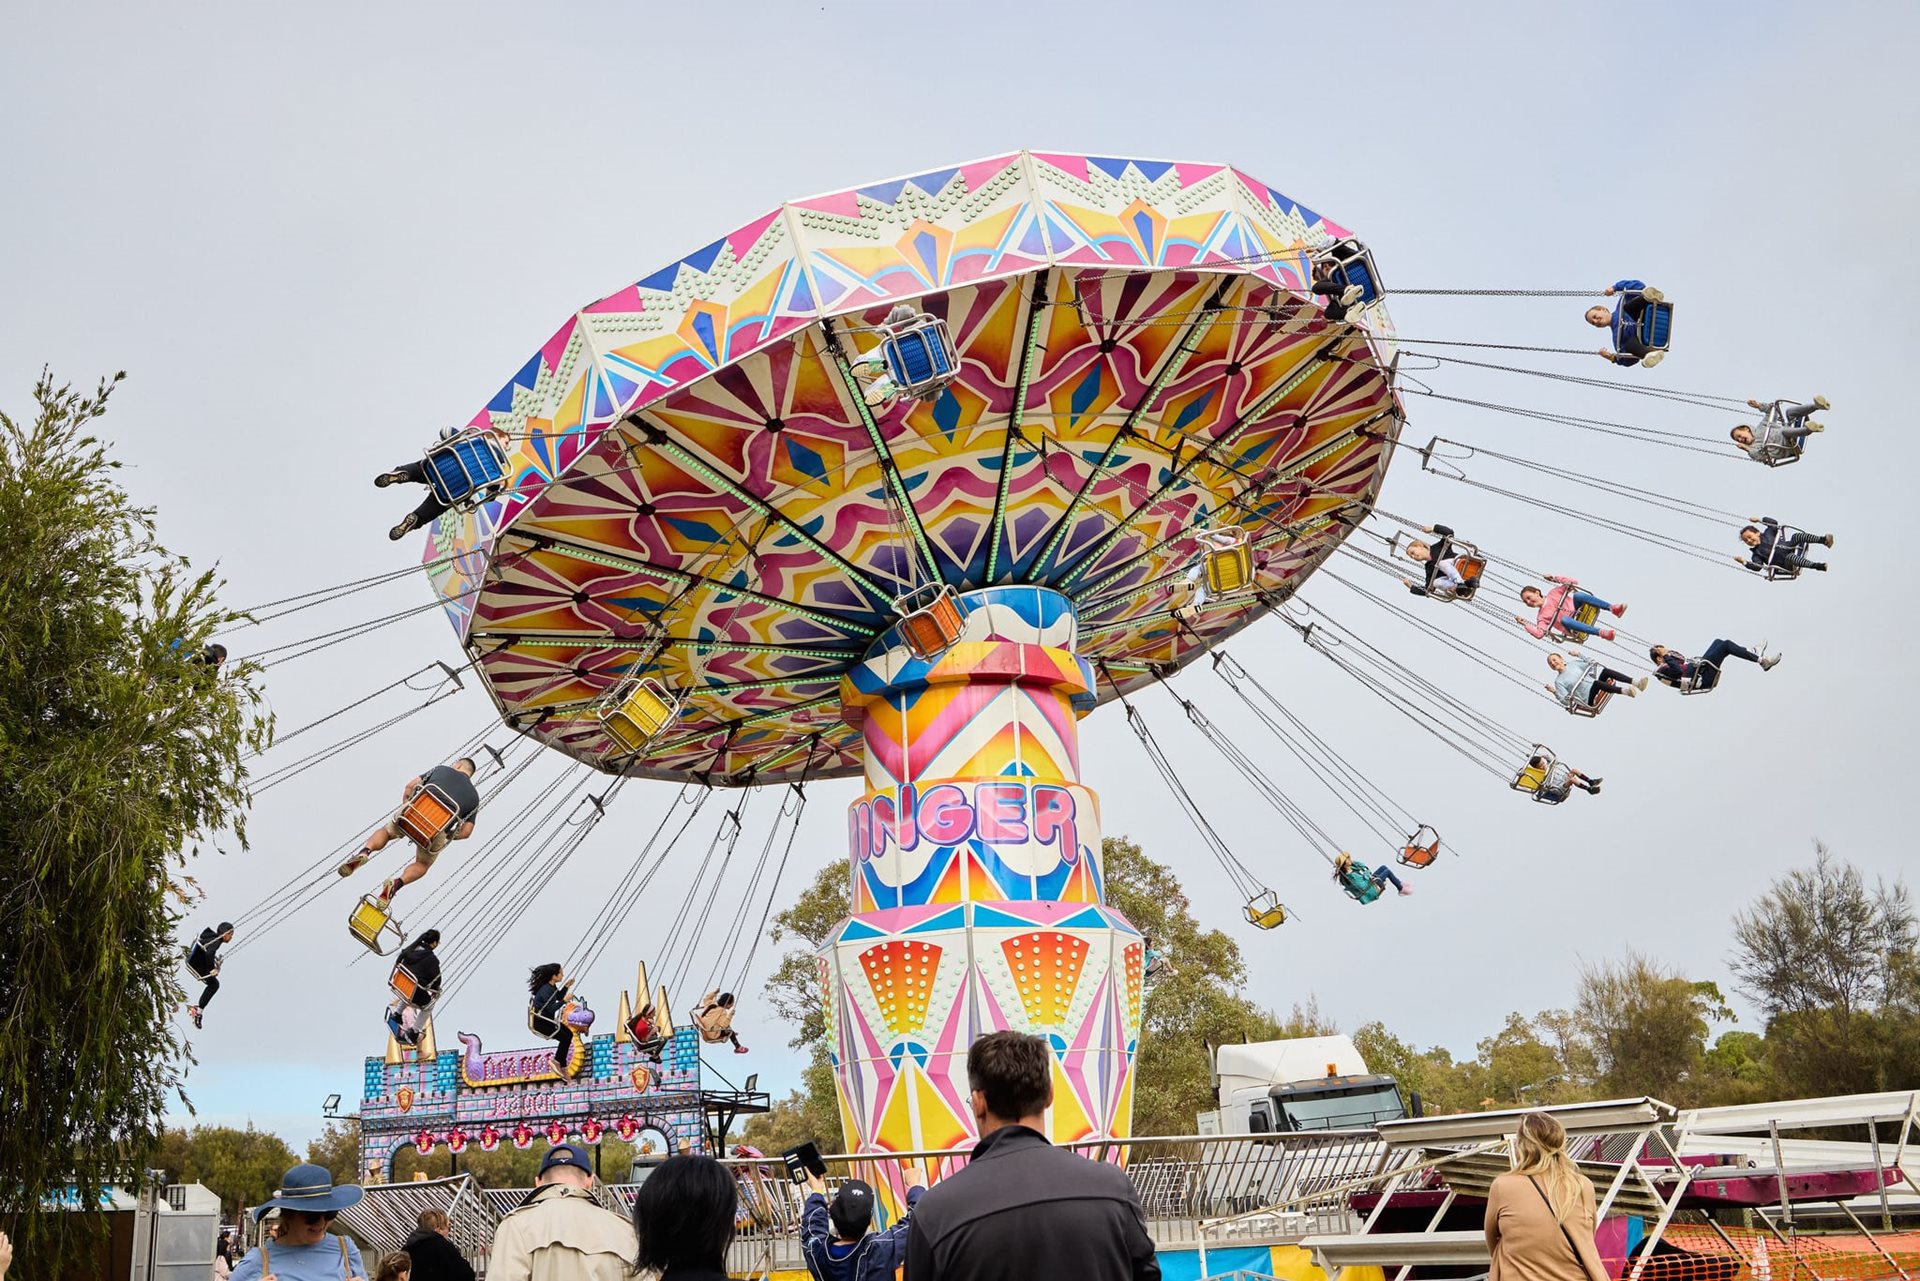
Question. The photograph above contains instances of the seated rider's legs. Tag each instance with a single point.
(1588, 598)
(413, 473)
(1609, 680)
(1383, 875)
(1721, 650)
(206, 993)
(1797, 414)
(429, 510)
(1569, 623)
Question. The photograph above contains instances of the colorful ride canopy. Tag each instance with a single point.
(701, 494)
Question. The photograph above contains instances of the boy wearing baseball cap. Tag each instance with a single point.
(837, 1239)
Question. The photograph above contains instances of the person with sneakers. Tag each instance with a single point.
(1769, 550)
(203, 962)
(642, 1028)
(1443, 574)
(837, 1238)
(455, 782)
(561, 1232)
(1579, 683)
(1782, 432)
(1672, 668)
(417, 472)
(406, 1018)
(1339, 297)
(553, 1011)
(714, 1018)
(1554, 609)
(1558, 780)
(1624, 321)
(1364, 884)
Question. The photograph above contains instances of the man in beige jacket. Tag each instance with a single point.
(561, 1233)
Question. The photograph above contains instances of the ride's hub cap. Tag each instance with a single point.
(702, 493)
(973, 761)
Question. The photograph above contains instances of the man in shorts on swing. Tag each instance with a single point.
(455, 783)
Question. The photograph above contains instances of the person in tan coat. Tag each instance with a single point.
(1540, 1217)
(560, 1233)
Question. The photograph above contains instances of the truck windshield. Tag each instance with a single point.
(1339, 1109)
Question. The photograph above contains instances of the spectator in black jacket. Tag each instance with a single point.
(1022, 1207)
(434, 1257)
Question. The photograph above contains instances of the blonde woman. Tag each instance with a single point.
(1540, 1217)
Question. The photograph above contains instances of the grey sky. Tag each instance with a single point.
(314, 235)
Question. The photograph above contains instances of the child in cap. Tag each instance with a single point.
(836, 1239)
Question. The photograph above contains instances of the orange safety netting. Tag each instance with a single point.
(1754, 1254)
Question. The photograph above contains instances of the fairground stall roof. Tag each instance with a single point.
(700, 491)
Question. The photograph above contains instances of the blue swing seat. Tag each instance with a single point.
(1654, 329)
(919, 355)
(468, 469)
(1351, 263)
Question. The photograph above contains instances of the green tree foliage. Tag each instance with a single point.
(1198, 1005)
(117, 754)
(1833, 965)
(338, 1148)
(1648, 1028)
(243, 1166)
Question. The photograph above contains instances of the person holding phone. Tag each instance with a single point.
(837, 1236)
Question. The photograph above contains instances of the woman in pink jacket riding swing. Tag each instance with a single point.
(1555, 610)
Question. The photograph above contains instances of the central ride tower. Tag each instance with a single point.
(976, 885)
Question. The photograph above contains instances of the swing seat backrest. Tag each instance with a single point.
(404, 985)
(1360, 887)
(640, 714)
(427, 815)
(468, 468)
(1656, 325)
(1420, 855)
(1353, 265)
(930, 620)
(371, 922)
(1529, 779)
(1229, 569)
(920, 356)
(1266, 911)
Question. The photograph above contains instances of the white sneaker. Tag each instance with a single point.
(1820, 402)
(1641, 683)
(1652, 295)
(1816, 426)
(1351, 295)
(1770, 662)
(1652, 358)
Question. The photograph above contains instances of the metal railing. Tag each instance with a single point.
(1183, 1183)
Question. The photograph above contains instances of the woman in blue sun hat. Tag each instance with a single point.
(303, 1249)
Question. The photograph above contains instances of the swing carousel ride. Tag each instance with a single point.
(903, 482)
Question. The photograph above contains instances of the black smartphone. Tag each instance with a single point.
(802, 1161)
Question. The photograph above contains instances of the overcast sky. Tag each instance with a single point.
(312, 235)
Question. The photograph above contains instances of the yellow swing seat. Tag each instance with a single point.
(372, 925)
(637, 712)
(1227, 560)
(1265, 910)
